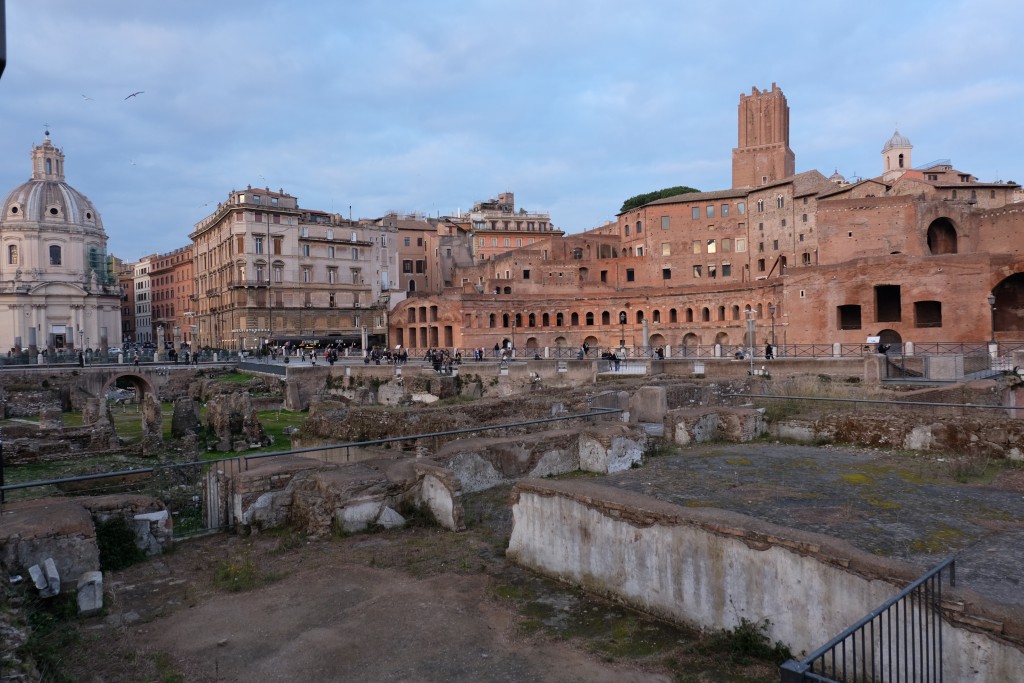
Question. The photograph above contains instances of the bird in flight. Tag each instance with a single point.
(137, 92)
(88, 98)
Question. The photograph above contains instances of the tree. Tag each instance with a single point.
(641, 199)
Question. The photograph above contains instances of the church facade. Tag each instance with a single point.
(57, 289)
(912, 255)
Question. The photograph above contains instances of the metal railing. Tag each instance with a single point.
(901, 640)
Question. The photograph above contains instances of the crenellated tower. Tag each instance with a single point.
(762, 154)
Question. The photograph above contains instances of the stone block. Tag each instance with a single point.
(390, 519)
(357, 516)
(45, 578)
(648, 404)
(614, 455)
(90, 592)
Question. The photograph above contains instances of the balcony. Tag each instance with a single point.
(248, 283)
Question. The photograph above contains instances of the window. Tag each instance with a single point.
(307, 275)
(760, 206)
(421, 267)
(780, 201)
(710, 211)
(419, 241)
(407, 242)
(712, 271)
(55, 258)
(725, 210)
(666, 249)
(278, 244)
(741, 208)
(741, 244)
(574, 319)
(712, 247)
(508, 242)
(801, 237)
(695, 212)
(806, 258)
(407, 265)
(627, 229)
(12, 254)
(258, 242)
(604, 276)
(760, 247)
(696, 247)
(494, 241)
(888, 305)
(664, 223)
(848, 317)
(697, 271)
(273, 201)
(590, 318)
(526, 274)
(775, 245)
(332, 275)
(305, 250)
(630, 275)
(303, 231)
(519, 242)
(639, 227)
(639, 251)
(355, 253)
(259, 216)
(726, 270)
(803, 218)
(726, 245)
(330, 251)
(666, 273)
(927, 314)
(760, 265)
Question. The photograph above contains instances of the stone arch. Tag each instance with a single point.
(942, 237)
(560, 342)
(531, 343)
(1009, 313)
(658, 339)
(892, 338)
(690, 343)
(149, 401)
(591, 342)
(722, 338)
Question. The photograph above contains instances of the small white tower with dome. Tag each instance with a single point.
(896, 157)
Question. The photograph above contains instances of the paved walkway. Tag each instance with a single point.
(887, 504)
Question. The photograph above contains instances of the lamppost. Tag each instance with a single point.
(992, 310)
(750, 338)
(771, 312)
(513, 353)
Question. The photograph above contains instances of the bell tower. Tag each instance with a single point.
(762, 154)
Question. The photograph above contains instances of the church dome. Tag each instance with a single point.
(47, 199)
(837, 178)
(897, 141)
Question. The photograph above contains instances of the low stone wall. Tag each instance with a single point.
(699, 425)
(865, 368)
(712, 568)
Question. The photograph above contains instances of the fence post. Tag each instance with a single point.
(792, 672)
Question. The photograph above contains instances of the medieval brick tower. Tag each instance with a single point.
(763, 154)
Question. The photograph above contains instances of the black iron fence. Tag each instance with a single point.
(899, 641)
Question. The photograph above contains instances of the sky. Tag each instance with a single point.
(413, 106)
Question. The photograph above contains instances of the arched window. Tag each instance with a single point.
(492, 320)
(705, 314)
(55, 258)
(545, 320)
(901, 160)
(656, 316)
(639, 317)
(504, 319)
(779, 201)
(606, 318)
(639, 227)
(532, 320)
(12, 254)
(574, 319)
(721, 312)
(673, 317)
(519, 319)
(590, 318)
(412, 285)
(735, 312)
(508, 290)
(559, 320)
(760, 206)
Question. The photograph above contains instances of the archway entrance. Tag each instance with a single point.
(131, 399)
(1009, 307)
(891, 338)
(942, 237)
(691, 342)
(658, 340)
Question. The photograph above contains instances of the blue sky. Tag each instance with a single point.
(429, 106)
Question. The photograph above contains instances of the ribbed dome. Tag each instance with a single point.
(837, 178)
(46, 198)
(897, 141)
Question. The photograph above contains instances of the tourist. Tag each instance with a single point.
(769, 352)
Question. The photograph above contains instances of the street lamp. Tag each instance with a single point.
(992, 308)
(750, 338)
(771, 312)
(513, 354)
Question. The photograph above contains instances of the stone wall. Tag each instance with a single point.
(711, 568)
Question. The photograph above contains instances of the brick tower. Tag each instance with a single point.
(763, 154)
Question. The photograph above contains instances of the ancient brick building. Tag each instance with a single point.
(911, 255)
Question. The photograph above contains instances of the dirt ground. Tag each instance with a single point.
(419, 604)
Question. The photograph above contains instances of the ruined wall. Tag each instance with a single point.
(712, 568)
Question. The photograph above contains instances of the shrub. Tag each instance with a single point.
(116, 541)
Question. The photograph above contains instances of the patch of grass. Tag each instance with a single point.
(877, 502)
(235, 377)
(739, 461)
(53, 630)
(856, 478)
(239, 574)
(658, 448)
(165, 669)
(972, 469)
(940, 540)
(746, 642)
